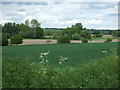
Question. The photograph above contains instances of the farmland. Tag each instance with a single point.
(76, 53)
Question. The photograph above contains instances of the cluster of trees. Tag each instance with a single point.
(29, 29)
(77, 32)
(32, 30)
(16, 32)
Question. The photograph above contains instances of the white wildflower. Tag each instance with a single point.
(60, 62)
(44, 72)
(104, 51)
(62, 59)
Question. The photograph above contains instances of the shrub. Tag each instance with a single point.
(76, 36)
(48, 41)
(84, 40)
(7, 35)
(55, 35)
(4, 41)
(108, 40)
(16, 73)
(63, 39)
(98, 35)
(85, 34)
(16, 39)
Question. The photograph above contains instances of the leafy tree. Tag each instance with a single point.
(76, 36)
(11, 28)
(63, 39)
(55, 35)
(77, 28)
(38, 32)
(35, 23)
(0, 28)
(85, 34)
(27, 22)
(97, 33)
(116, 33)
(4, 41)
(16, 39)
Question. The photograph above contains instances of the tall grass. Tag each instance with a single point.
(20, 73)
(76, 53)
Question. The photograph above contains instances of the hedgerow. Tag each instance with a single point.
(102, 73)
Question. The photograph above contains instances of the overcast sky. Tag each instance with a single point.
(61, 14)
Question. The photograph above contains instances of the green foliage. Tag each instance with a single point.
(31, 29)
(4, 41)
(55, 35)
(7, 35)
(48, 41)
(102, 73)
(11, 28)
(76, 36)
(84, 40)
(16, 39)
(63, 39)
(85, 34)
(108, 39)
(16, 73)
(77, 28)
(96, 32)
(116, 33)
(37, 32)
(99, 35)
(35, 23)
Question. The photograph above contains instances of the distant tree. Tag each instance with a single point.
(27, 22)
(76, 36)
(0, 28)
(96, 32)
(4, 41)
(77, 28)
(85, 34)
(35, 23)
(116, 33)
(11, 28)
(38, 32)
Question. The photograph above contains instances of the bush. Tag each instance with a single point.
(55, 35)
(4, 41)
(108, 40)
(48, 41)
(85, 34)
(16, 39)
(99, 35)
(7, 35)
(63, 39)
(84, 40)
(16, 73)
(76, 36)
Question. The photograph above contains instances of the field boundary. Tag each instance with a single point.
(31, 42)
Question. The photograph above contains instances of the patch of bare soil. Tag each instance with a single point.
(30, 42)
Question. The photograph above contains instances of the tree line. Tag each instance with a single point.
(31, 29)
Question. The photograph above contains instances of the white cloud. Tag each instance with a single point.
(93, 21)
(60, 0)
(91, 15)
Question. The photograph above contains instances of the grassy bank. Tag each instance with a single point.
(22, 73)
